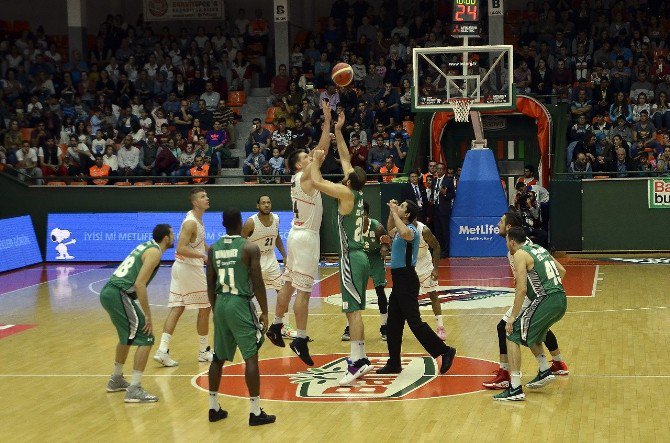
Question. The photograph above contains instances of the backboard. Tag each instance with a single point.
(441, 74)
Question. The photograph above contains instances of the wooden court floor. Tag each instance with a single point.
(56, 354)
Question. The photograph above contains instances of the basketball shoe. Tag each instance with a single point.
(135, 394)
(287, 331)
(299, 346)
(217, 415)
(559, 368)
(383, 331)
(542, 379)
(511, 394)
(117, 383)
(206, 355)
(165, 359)
(345, 334)
(261, 419)
(275, 336)
(500, 381)
(355, 370)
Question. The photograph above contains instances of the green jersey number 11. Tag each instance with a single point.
(227, 280)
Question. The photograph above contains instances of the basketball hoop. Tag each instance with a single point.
(461, 107)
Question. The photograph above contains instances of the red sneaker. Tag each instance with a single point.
(559, 368)
(500, 381)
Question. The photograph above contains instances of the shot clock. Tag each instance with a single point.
(465, 19)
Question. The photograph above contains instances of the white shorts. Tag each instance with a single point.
(427, 283)
(271, 272)
(188, 286)
(508, 314)
(302, 260)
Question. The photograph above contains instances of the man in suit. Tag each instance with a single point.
(414, 192)
(444, 196)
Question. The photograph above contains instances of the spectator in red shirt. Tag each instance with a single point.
(528, 176)
(279, 85)
(359, 153)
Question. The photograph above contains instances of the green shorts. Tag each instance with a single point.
(377, 269)
(533, 323)
(354, 275)
(127, 316)
(235, 325)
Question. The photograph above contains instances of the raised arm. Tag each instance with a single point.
(342, 148)
(405, 232)
(335, 190)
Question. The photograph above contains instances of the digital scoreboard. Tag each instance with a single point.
(465, 18)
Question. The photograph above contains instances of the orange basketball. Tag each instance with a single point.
(342, 74)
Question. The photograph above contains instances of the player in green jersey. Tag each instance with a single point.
(376, 245)
(354, 264)
(234, 277)
(538, 277)
(125, 299)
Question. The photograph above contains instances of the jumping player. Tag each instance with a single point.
(426, 268)
(302, 260)
(262, 229)
(376, 246)
(188, 286)
(502, 378)
(538, 279)
(125, 299)
(354, 265)
(233, 278)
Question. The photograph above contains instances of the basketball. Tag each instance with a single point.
(342, 74)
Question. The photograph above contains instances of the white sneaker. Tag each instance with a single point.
(135, 394)
(287, 331)
(165, 359)
(205, 356)
(355, 370)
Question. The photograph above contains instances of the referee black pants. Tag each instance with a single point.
(404, 306)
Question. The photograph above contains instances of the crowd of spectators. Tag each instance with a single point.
(609, 60)
(141, 102)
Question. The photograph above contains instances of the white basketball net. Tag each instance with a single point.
(461, 106)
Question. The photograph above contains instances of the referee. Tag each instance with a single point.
(403, 302)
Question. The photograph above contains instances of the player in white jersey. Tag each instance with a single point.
(302, 260)
(502, 376)
(427, 270)
(188, 284)
(263, 230)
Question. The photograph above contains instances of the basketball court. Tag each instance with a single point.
(57, 347)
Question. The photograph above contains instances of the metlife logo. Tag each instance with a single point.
(479, 229)
(476, 237)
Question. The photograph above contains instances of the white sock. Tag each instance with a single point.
(301, 334)
(202, 342)
(118, 368)
(384, 318)
(278, 320)
(516, 379)
(504, 366)
(165, 342)
(137, 376)
(557, 357)
(255, 405)
(214, 400)
(357, 350)
(439, 321)
(542, 362)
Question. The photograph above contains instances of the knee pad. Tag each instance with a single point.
(502, 337)
(550, 342)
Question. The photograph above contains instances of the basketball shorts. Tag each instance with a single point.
(377, 269)
(354, 275)
(302, 259)
(271, 271)
(127, 316)
(236, 325)
(188, 286)
(533, 323)
(508, 314)
(424, 268)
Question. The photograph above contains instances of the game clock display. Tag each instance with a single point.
(465, 19)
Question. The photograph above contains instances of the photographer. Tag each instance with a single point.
(525, 202)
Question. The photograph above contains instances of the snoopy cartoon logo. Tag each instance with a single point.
(59, 236)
